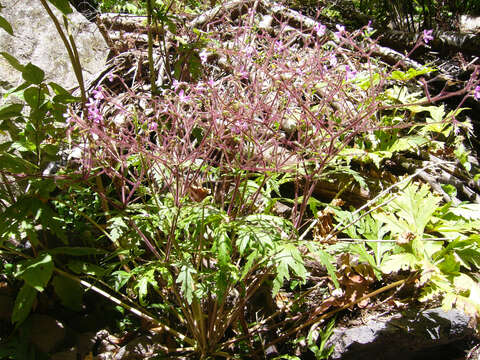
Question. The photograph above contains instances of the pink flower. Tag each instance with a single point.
(243, 74)
(341, 30)
(369, 28)
(152, 126)
(176, 84)
(427, 36)
(320, 29)
(333, 60)
(182, 97)
(110, 77)
(98, 94)
(211, 82)
(240, 127)
(476, 93)
(249, 51)
(95, 115)
(350, 74)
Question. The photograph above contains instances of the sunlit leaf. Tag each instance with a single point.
(187, 284)
(5, 25)
(36, 272)
(23, 303)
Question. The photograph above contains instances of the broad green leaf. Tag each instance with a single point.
(34, 96)
(222, 247)
(404, 143)
(327, 260)
(117, 227)
(397, 262)
(287, 259)
(10, 111)
(62, 5)
(33, 74)
(58, 89)
(187, 284)
(366, 257)
(449, 265)
(467, 211)
(69, 292)
(5, 25)
(36, 272)
(66, 99)
(120, 279)
(254, 256)
(23, 303)
(142, 283)
(12, 61)
(437, 113)
(412, 210)
(81, 267)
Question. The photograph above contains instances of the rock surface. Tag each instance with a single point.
(403, 336)
(36, 40)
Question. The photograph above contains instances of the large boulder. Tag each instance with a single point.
(414, 334)
(36, 40)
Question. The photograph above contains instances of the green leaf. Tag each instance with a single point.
(288, 258)
(148, 277)
(81, 267)
(23, 303)
(69, 292)
(62, 5)
(33, 74)
(365, 256)
(34, 96)
(467, 211)
(66, 99)
(120, 279)
(12, 61)
(187, 284)
(254, 255)
(412, 210)
(222, 246)
(450, 190)
(10, 111)
(5, 25)
(36, 272)
(449, 265)
(58, 89)
(397, 262)
(327, 260)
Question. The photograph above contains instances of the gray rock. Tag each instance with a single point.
(36, 40)
(401, 335)
(46, 332)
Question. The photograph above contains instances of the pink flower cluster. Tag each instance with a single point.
(320, 29)
(93, 106)
(427, 36)
(476, 93)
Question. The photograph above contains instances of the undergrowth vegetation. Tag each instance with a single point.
(195, 208)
